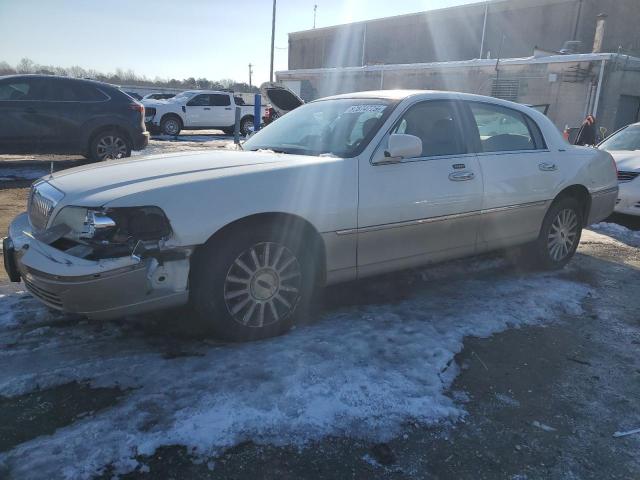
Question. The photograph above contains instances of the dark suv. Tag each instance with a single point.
(49, 114)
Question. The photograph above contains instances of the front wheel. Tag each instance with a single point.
(559, 235)
(254, 285)
(170, 125)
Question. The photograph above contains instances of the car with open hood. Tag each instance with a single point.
(281, 100)
(336, 190)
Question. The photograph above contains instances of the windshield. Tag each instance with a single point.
(342, 127)
(626, 139)
(182, 96)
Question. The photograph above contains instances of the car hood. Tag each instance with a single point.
(280, 97)
(626, 160)
(98, 184)
(152, 102)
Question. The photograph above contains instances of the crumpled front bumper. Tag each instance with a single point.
(101, 289)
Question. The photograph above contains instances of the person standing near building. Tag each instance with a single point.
(587, 133)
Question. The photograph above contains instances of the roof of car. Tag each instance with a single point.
(61, 77)
(436, 94)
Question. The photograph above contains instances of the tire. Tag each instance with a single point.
(246, 125)
(559, 236)
(171, 125)
(241, 300)
(109, 145)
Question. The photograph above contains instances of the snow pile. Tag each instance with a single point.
(361, 372)
(185, 143)
(618, 232)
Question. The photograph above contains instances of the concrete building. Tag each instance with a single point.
(505, 28)
(440, 50)
(565, 87)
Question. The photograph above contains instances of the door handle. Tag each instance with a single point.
(461, 176)
(547, 167)
(30, 110)
(228, 108)
(207, 108)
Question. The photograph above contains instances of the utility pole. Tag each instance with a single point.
(250, 72)
(315, 9)
(273, 38)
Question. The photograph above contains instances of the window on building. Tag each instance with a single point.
(506, 89)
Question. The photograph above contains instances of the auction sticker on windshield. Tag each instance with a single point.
(366, 109)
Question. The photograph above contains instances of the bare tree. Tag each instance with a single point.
(126, 77)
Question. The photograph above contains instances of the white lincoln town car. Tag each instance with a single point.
(338, 189)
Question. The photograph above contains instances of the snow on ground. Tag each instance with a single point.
(12, 173)
(362, 371)
(618, 232)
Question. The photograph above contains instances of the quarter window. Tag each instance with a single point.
(503, 129)
(437, 124)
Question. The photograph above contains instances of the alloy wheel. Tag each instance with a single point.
(263, 285)
(562, 234)
(111, 147)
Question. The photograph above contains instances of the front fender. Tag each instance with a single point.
(324, 195)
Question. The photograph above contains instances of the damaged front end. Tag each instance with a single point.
(108, 232)
(100, 262)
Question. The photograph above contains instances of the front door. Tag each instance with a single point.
(420, 209)
(521, 175)
(198, 111)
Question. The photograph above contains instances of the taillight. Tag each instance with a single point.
(138, 107)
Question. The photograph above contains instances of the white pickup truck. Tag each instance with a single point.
(198, 110)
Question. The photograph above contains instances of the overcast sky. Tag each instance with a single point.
(201, 38)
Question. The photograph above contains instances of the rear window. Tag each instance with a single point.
(62, 91)
(220, 100)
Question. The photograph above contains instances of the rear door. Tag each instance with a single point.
(221, 114)
(520, 174)
(69, 105)
(424, 208)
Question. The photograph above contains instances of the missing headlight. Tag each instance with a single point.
(110, 232)
(140, 223)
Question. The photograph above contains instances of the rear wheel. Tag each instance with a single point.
(109, 145)
(559, 235)
(246, 125)
(253, 285)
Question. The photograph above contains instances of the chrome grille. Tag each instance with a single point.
(627, 176)
(42, 200)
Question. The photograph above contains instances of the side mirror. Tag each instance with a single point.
(403, 146)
